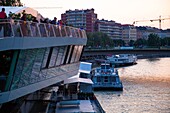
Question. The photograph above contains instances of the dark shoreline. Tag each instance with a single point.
(152, 56)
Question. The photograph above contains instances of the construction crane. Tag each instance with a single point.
(160, 20)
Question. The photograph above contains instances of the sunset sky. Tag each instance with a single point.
(121, 11)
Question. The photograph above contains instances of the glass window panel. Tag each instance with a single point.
(64, 54)
(60, 56)
(78, 53)
(37, 65)
(69, 54)
(45, 57)
(74, 54)
(53, 57)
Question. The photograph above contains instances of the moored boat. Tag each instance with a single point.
(122, 59)
(106, 78)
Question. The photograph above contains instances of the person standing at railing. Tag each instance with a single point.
(34, 26)
(59, 23)
(54, 21)
(47, 24)
(24, 25)
(3, 16)
(44, 27)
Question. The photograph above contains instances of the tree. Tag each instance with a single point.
(11, 3)
(140, 42)
(165, 41)
(119, 42)
(153, 40)
(97, 39)
(131, 43)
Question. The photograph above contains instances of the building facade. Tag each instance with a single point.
(84, 19)
(111, 28)
(129, 33)
(144, 31)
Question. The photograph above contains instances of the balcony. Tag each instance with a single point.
(19, 28)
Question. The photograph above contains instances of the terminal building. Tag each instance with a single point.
(33, 58)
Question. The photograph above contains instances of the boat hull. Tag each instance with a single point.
(108, 88)
(122, 60)
(115, 87)
(106, 78)
(122, 64)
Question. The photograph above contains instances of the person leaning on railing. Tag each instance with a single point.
(3, 16)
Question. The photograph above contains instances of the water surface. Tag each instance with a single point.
(146, 88)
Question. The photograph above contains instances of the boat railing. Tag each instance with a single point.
(19, 28)
(103, 83)
(106, 83)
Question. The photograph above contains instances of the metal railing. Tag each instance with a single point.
(19, 28)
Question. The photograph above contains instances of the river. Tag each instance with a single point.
(146, 88)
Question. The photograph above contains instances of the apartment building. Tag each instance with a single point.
(111, 28)
(129, 32)
(84, 19)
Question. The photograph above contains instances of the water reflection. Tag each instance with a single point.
(146, 89)
(153, 59)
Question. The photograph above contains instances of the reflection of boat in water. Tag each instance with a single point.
(122, 59)
(106, 78)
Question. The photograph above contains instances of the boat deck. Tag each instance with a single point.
(84, 106)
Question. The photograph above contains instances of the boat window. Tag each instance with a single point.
(98, 70)
(105, 66)
(106, 79)
(113, 79)
(98, 79)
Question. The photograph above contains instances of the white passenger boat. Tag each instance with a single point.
(106, 78)
(77, 92)
(122, 59)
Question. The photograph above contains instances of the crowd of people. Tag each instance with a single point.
(24, 17)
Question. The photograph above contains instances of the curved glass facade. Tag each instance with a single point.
(33, 57)
(35, 65)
